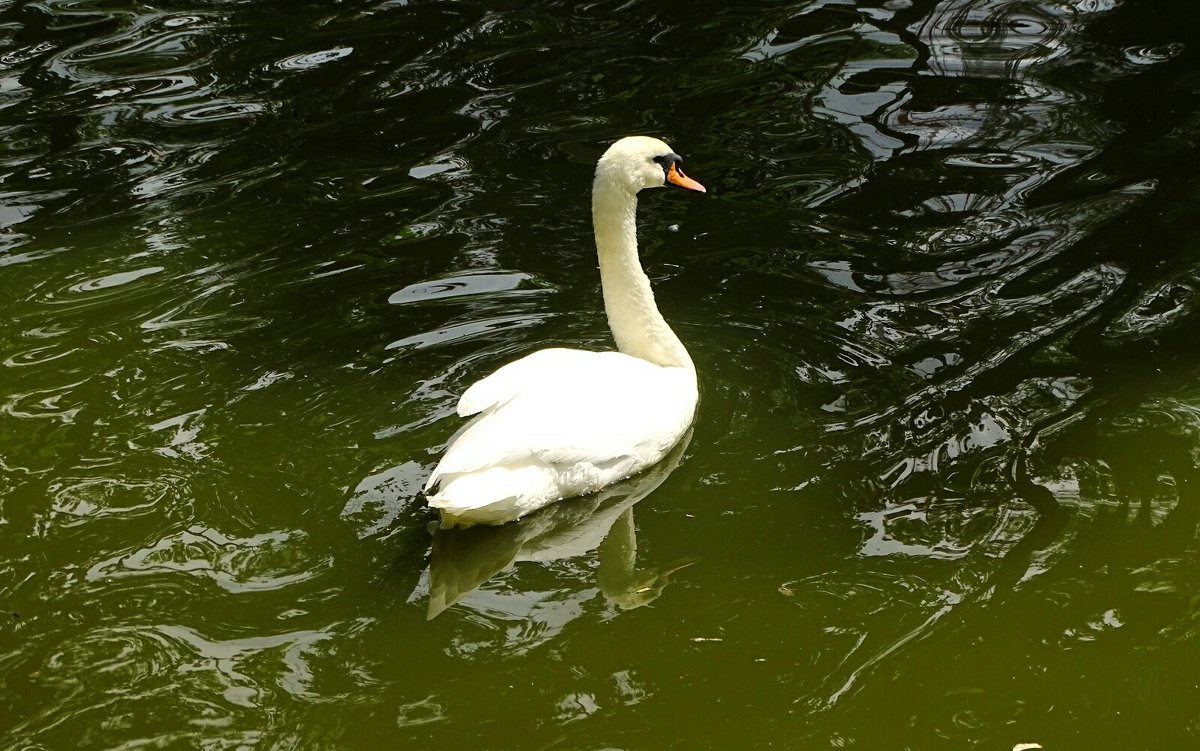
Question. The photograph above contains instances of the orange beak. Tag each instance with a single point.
(676, 177)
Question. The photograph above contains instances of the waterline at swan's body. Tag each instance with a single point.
(562, 422)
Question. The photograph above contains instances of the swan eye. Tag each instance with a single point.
(666, 161)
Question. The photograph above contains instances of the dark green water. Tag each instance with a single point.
(942, 490)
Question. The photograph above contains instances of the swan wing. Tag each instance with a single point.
(568, 407)
(511, 379)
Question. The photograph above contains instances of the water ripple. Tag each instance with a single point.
(267, 561)
(81, 501)
(311, 60)
(225, 658)
(939, 295)
(1153, 55)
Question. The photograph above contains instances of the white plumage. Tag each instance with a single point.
(563, 422)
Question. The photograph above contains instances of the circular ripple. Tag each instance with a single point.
(1140, 55)
(991, 160)
(310, 60)
(79, 502)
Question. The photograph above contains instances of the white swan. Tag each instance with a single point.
(564, 422)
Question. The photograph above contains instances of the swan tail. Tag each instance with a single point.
(491, 496)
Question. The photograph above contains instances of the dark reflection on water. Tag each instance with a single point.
(463, 559)
(942, 296)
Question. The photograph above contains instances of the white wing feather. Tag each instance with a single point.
(508, 380)
(562, 407)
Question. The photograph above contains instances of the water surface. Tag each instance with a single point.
(942, 489)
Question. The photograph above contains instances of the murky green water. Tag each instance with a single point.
(942, 490)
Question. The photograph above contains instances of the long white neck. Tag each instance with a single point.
(636, 324)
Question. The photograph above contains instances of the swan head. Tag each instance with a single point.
(638, 162)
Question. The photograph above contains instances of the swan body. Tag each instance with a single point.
(560, 422)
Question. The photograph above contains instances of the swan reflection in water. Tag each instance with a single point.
(463, 559)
